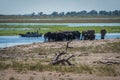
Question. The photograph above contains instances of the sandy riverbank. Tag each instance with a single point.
(95, 60)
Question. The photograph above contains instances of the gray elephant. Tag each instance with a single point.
(91, 34)
(71, 35)
(103, 32)
(84, 35)
(76, 34)
(62, 35)
(88, 35)
(50, 36)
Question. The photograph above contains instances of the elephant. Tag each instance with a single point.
(88, 35)
(74, 34)
(84, 35)
(50, 36)
(78, 34)
(71, 35)
(103, 32)
(54, 36)
(46, 35)
(91, 34)
(62, 35)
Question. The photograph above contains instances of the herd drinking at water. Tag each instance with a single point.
(66, 35)
(72, 35)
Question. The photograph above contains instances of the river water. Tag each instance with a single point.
(65, 24)
(7, 41)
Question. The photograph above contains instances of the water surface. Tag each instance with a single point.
(16, 28)
(24, 28)
(7, 41)
(64, 24)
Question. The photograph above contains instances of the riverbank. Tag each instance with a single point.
(53, 19)
(63, 21)
(8, 41)
(98, 59)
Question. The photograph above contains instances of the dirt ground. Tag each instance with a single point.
(92, 53)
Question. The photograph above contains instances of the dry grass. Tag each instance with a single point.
(102, 70)
(104, 48)
(37, 57)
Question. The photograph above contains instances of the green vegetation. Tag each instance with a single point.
(106, 70)
(103, 70)
(114, 29)
(104, 48)
(12, 78)
(109, 47)
(4, 66)
(40, 64)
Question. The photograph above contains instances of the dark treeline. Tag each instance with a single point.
(80, 13)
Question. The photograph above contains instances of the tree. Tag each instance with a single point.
(116, 12)
(102, 13)
(61, 14)
(40, 13)
(83, 13)
(55, 13)
(68, 14)
(33, 14)
(73, 13)
(93, 12)
(109, 13)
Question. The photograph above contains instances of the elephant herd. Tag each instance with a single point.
(72, 35)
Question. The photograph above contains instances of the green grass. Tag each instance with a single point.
(102, 70)
(13, 78)
(104, 48)
(109, 47)
(4, 58)
(108, 70)
(23, 67)
(4, 66)
(114, 29)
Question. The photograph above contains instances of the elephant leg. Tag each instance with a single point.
(45, 40)
(48, 39)
(81, 37)
(102, 36)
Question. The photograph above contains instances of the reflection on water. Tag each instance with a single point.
(7, 41)
(65, 24)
